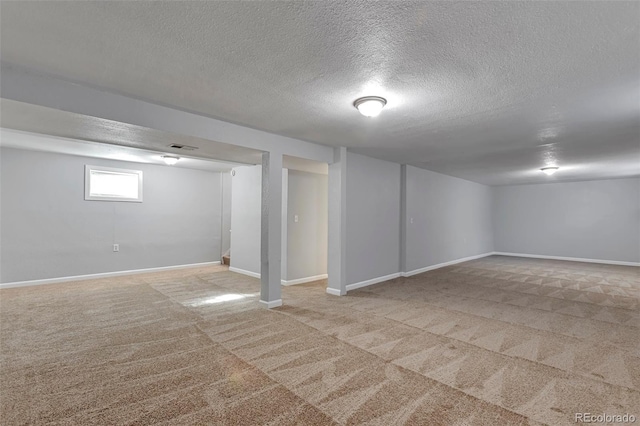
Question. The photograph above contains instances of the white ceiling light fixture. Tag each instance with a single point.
(170, 159)
(370, 106)
(549, 170)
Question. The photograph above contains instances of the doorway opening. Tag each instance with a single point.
(304, 230)
(305, 219)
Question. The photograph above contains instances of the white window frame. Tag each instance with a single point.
(87, 184)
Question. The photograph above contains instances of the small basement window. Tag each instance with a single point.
(110, 184)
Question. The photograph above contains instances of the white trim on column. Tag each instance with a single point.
(272, 304)
(570, 259)
(104, 275)
(244, 272)
(372, 281)
(305, 280)
(442, 265)
(334, 291)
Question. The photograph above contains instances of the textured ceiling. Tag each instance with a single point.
(487, 91)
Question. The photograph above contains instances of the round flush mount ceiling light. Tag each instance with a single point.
(549, 170)
(370, 106)
(170, 159)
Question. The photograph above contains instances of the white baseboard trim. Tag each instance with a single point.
(305, 280)
(244, 272)
(334, 291)
(570, 259)
(103, 275)
(272, 304)
(283, 282)
(442, 265)
(372, 281)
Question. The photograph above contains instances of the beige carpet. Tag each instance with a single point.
(497, 341)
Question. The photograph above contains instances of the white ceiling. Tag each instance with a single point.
(487, 91)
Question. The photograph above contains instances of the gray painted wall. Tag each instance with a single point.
(373, 218)
(304, 243)
(48, 230)
(307, 238)
(590, 220)
(246, 195)
(447, 219)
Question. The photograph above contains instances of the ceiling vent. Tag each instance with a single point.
(183, 147)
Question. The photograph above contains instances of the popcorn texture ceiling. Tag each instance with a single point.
(486, 91)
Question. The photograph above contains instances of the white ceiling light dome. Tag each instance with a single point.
(370, 106)
(170, 160)
(549, 170)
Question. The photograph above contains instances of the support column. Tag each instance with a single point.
(271, 230)
(403, 218)
(337, 256)
(285, 231)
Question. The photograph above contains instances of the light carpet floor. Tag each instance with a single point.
(496, 341)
